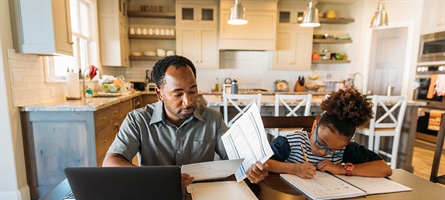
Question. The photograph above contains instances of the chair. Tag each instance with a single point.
(387, 124)
(241, 102)
(292, 110)
(280, 122)
(434, 177)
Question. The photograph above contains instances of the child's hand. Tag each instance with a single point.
(327, 166)
(305, 170)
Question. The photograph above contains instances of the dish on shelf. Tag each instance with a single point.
(318, 36)
(136, 54)
(149, 53)
(343, 38)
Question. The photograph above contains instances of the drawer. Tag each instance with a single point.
(104, 139)
(102, 118)
(124, 108)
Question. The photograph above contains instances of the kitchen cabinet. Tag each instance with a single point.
(148, 99)
(196, 12)
(258, 34)
(433, 16)
(294, 43)
(113, 33)
(197, 36)
(41, 27)
(54, 140)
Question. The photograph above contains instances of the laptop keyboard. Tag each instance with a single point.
(69, 196)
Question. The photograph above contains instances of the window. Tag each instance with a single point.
(83, 14)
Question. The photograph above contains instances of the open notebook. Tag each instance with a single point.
(328, 186)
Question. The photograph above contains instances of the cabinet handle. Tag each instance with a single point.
(105, 140)
(104, 117)
(115, 112)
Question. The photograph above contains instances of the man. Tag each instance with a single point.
(175, 130)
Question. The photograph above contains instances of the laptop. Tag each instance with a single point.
(118, 183)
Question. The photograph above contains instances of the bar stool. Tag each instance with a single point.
(241, 106)
(302, 101)
(385, 125)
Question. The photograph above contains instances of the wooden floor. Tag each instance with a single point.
(423, 158)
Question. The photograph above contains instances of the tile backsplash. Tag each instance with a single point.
(28, 83)
(252, 69)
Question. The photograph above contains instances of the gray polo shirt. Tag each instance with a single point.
(160, 142)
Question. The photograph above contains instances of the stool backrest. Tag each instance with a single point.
(390, 118)
(241, 102)
(293, 103)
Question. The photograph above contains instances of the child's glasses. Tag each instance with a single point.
(321, 146)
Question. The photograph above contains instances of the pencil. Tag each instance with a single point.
(304, 153)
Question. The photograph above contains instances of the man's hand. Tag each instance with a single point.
(186, 180)
(257, 172)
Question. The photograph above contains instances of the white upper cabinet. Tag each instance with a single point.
(197, 32)
(41, 27)
(433, 16)
(113, 33)
(260, 31)
(196, 12)
(294, 49)
(294, 43)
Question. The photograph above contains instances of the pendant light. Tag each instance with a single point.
(310, 16)
(380, 17)
(237, 14)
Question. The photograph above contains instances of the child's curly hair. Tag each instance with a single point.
(344, 111)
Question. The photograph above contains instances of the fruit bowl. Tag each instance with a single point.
(311, 86)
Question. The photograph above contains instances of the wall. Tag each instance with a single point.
(28, 80)
(12, 163)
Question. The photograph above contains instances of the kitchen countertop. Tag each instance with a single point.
(269, 100)
(84, 104)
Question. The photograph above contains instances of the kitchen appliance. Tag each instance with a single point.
(432, 47)
(281, 86)
(424, 75)
(150, 83)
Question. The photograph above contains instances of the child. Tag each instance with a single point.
(328, 147)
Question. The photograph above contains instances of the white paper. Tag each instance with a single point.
(247, 139)
(212, 170)
(324, 186)
(375, 185)
(222, 190)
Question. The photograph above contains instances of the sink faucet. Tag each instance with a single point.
(87, 69)
(352, 79)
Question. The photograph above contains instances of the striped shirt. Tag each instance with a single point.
(300, 140)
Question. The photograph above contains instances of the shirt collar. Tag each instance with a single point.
(158, 113)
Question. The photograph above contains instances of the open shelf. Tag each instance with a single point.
(329, 61)
(167, 15)
(330, 41)
(158, 37)
(146, 58)
(336, 21)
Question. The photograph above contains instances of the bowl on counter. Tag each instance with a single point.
(149, 53)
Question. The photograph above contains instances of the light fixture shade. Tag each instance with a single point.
(380, 17)
(310, 16)
(237, 14)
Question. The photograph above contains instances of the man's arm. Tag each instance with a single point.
(115, 160)
(257, 172)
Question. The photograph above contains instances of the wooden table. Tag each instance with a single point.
(276, 188)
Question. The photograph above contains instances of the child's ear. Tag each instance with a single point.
(314, 125)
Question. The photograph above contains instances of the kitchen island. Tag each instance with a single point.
(71, 133)
(407, 136)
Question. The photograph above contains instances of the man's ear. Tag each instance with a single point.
(158, 93)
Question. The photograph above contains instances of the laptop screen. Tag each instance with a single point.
(148, 182)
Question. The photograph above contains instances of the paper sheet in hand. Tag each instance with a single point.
(247, 139)
(221, 190)
(212, 170)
